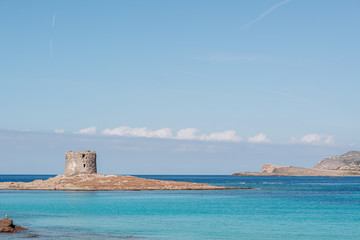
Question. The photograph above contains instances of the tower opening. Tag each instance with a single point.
(84, 165)
(83, 156)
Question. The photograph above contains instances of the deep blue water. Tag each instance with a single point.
(277, 208)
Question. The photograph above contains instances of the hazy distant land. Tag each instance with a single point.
(347, 164)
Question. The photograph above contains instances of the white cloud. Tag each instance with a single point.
(138, 132)
(191, 134)
(264, 14)
(187, 133)
(259, 138)
(87, 131)
(314, 139)
(229, 135)
(183, 134)
(59, 130)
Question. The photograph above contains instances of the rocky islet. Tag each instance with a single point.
(7, 226)
(100, 182)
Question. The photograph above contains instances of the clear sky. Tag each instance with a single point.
(265, 76)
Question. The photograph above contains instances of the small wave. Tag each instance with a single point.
(241, 183)
(272, 183)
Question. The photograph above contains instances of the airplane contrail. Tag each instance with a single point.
(264, 14)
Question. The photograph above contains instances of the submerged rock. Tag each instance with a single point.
(7, 226)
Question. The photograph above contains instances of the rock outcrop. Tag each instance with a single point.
(274, 170)
(99, 182)
(7, 226)
(347, 164)
(347, 161)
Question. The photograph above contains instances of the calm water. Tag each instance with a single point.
(278, 208)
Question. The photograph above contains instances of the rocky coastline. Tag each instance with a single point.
(347, 164)
(100, 182)
(274, 170)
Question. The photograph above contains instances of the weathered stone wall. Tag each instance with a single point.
(80, 163)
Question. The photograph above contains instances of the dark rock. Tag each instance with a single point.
(7, 226)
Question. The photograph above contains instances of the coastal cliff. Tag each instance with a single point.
(99, 182)
(347, 164)
(347, 161)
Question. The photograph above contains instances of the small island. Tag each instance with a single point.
(99, 182)
(347, 164)
(81, 175)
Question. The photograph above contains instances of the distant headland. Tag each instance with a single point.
(347, 164)
(81, 175)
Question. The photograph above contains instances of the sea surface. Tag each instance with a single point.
(303, 208)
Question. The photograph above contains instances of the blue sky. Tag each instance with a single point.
(241, 74)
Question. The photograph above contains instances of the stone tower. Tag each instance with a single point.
(80, 163)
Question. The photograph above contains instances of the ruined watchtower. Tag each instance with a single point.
(80, 163)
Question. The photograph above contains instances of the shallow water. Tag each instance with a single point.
(277, 208)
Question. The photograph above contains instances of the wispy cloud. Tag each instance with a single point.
(183, 134)
(259, 138)
(53, 20)
(51, 41)
(264, 14)
(87, 131)
(59, 130)
(318, 139)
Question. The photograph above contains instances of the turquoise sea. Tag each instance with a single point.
(277, 208)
